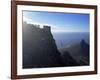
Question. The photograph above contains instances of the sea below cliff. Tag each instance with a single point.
(65, 39)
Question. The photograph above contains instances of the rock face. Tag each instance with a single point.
(84, 48)
(78, 52)
(39, 48)
(68, 59)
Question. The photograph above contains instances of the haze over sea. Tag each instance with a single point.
(65, 39)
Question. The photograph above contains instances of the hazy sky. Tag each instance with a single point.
(59, 22)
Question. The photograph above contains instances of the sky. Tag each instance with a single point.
(59, 21)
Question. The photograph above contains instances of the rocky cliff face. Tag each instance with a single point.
(78, 54)
(39, 48)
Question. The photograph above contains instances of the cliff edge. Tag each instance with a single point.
(39, 48)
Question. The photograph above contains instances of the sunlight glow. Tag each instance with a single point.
(53, 27)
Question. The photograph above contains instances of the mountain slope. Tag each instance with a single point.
(39, 48)
(79, 52)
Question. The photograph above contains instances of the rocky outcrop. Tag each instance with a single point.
(79, 54)
(39, 48)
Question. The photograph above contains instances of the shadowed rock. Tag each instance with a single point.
(78, 54)
(39, 48)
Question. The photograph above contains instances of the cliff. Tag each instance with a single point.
(39, 48)
(79, 53)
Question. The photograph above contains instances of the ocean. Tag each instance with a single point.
(65, 39)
